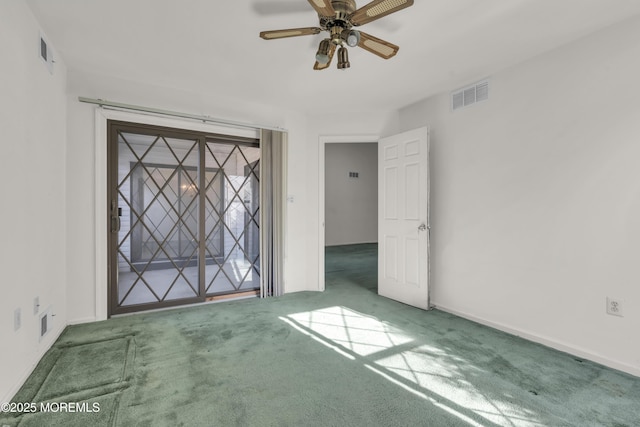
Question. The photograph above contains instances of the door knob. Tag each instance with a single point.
(422, 227)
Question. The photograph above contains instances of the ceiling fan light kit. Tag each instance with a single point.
(323, 52)
(343, 58)
(352, 37)
(338, 17)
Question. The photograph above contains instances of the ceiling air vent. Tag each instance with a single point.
(470, 95)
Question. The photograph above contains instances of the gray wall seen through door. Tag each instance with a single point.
(351, 202)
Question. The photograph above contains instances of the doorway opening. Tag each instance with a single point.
(350, 214)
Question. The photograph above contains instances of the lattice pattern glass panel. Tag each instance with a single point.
(158, 238)
(232, 224)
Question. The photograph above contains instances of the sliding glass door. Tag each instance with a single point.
(183, 214)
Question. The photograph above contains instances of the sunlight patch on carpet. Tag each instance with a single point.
(361, 334)
(424, 370)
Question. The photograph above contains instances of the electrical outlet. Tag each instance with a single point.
(614, 307)
(17, 319)
(36, 305)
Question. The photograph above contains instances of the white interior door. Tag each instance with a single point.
(403, 217)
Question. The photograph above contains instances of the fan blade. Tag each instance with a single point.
(377, 9)
(323, 7)
(291, 32)
(377, 46)
(319, 66)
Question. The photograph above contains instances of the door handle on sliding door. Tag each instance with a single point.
(115, 223)
(116, 213)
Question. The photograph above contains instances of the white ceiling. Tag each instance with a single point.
(212, 48)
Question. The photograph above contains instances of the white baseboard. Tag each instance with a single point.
(34, 362)
(350, 244)
(81, 321)
(576, 351)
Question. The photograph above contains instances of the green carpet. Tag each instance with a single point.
(345, 357)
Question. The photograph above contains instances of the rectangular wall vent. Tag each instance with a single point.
(45, 53)
(470, 95)
(46, 323)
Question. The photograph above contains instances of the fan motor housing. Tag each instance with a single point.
(343, 7)
(340, 22)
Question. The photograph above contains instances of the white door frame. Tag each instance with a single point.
(322, 141)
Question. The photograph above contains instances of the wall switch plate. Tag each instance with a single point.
(614, 307)
(36, 305)
(17, 319)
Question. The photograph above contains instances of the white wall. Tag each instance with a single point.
(351, 204)
(536, 198)
(32, 172)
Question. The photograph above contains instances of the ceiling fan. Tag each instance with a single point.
(338, 18)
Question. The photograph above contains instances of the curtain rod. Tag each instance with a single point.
(207, 119)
